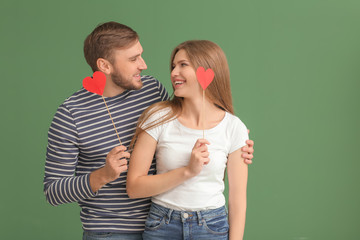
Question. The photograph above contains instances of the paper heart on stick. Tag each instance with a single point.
(95, 84)
(204, 77)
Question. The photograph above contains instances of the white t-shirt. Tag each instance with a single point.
(173, 150)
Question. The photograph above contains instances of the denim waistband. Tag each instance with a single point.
(188, 215)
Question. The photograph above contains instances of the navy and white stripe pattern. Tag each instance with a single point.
(79, 138)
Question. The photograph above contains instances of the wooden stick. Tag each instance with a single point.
(203, 115)
(112, 120)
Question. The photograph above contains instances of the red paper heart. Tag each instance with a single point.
(205, 77)
(95, 84)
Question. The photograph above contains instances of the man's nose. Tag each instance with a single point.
(143, 65)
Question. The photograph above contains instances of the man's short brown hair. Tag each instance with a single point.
(104, 39)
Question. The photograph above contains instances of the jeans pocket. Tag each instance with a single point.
(217, 225)
(154, 221)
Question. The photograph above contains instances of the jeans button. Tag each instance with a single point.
(185, 215)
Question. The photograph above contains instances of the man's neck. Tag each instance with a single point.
(112, 90)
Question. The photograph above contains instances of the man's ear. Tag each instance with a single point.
(104, 66)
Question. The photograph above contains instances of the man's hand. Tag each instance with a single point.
(247, 151)
(115, 164)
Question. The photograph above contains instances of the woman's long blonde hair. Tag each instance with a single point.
(202, 53)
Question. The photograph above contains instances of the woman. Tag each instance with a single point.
(188, 200)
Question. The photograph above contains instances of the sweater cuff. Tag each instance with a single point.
(87, 189)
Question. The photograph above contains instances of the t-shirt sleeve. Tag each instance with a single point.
(239, 135)
(154, 118)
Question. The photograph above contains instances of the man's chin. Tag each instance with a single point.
(136, 86)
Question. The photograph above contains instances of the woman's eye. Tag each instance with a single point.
(183, 64)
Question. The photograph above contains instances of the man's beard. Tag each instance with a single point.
(124, 83)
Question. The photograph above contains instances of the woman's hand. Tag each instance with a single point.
(199, 157)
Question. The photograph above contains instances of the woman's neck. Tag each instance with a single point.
(194, 111)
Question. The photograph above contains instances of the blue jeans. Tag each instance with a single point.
(89, 235)
(165, 223)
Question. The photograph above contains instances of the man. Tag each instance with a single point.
(85, 162)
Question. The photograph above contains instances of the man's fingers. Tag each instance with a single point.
(250, 143)
(248, 161)
(123, 155)
(123, 162)
(247, 149)
(118, 156)
(247, 156)
(123, 168)
(118, 149)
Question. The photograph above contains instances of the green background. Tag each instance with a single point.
(295, 81)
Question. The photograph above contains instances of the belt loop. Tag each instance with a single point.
(168, 215)
(200, 220)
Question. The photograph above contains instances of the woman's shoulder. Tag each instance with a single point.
(232, 117)
(159, 110)
(234, 121)
(237, 132)
(155, 115)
